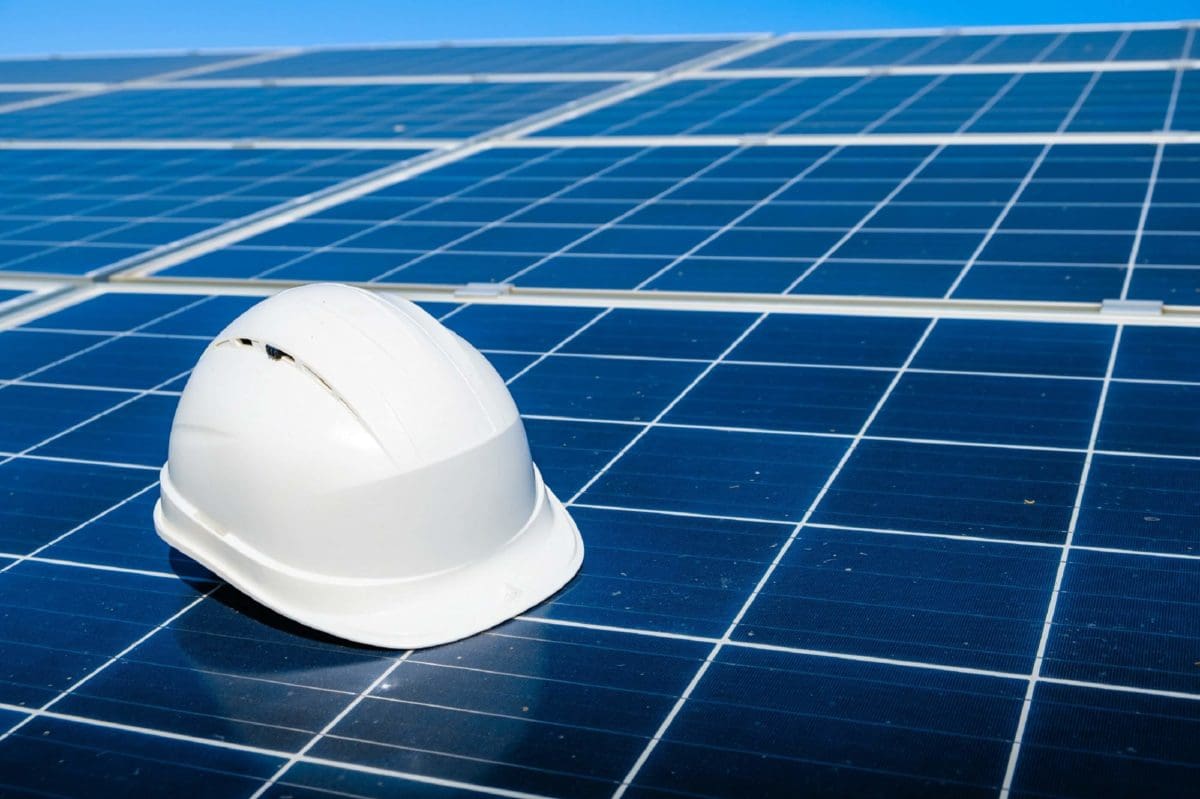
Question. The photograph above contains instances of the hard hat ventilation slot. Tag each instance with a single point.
(276, 354)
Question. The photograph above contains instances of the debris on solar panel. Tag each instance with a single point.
(369, 477)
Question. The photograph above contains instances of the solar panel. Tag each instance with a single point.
(878, 497)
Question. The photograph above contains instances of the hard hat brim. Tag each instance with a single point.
(409, 613)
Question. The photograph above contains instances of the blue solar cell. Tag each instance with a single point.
(51, 756)
(1170, 249)
(797, 399)
(1023, 495)
(135, 432)
(1084, 46)
(45, 500)
(445, 267)
(1029, 282)
(1073, 731)
(907, 598)
(1147, 417)
(1120, 622)
(660, 334)
(833, 340)
(21, 353)
(33, 413)
(1153, 354)
(1126, 101)
(581, 271)
(1016, 348)
(1002, 410)
(512, 328)
(689, 575)
(601, 388)
(728, 473)
(1141, 504)
(745, 722)
(1153, 44)
(879, 279)
(754, 275)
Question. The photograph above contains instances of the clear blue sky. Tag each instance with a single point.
(63, 26)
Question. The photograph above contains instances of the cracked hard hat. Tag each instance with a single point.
(350, 463)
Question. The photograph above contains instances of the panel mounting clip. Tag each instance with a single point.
(483, 290)
(1132, 307)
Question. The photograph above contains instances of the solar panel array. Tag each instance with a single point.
(849, 530)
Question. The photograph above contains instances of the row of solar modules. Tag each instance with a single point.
(868, 638)
(1151, 44)
(633, 55)
(1135, 101)
(1015, 222)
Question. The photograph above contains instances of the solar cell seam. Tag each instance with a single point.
(278, 775)
(1035, 673)
(1172, 104)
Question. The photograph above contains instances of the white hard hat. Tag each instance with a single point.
(352, 464)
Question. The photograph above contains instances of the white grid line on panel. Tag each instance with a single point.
(1048, 624)
(1152, 183)
(278, 754)
(346, 711)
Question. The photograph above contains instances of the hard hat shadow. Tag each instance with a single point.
(467, 710)
(233, 599)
